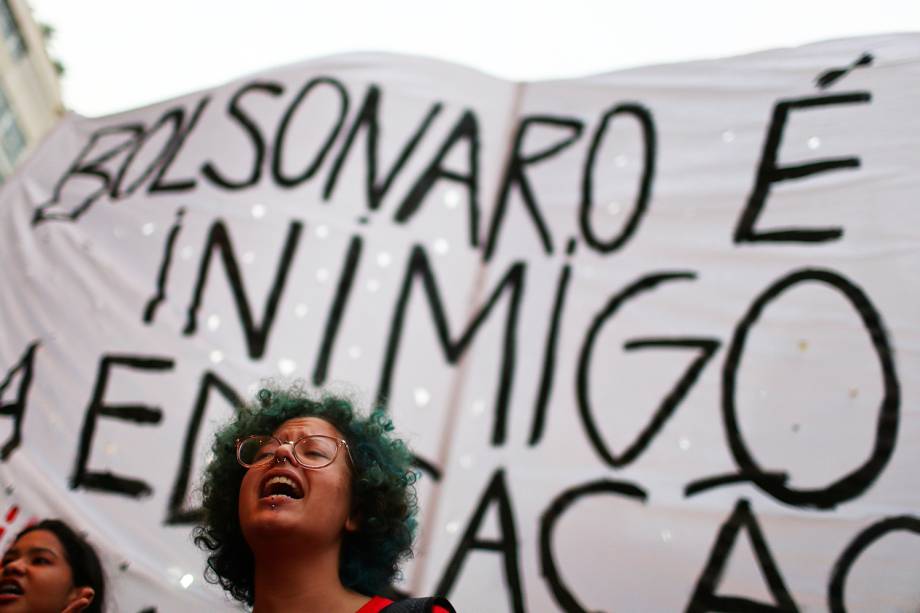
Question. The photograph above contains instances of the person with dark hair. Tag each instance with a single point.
(49, 568)
(309, 507)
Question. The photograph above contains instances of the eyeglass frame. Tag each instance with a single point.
(339, 443)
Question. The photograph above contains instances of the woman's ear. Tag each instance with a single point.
(352, 523)
(80, 598)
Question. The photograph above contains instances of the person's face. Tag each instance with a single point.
(281, 501)
(36, 577)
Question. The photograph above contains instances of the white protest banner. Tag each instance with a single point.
(652, 334)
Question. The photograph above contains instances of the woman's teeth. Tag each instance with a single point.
(280, 485)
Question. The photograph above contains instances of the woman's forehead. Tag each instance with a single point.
(39, 539)
(302, 426)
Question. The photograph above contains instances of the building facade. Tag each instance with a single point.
(30, 93)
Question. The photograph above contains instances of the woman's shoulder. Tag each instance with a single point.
(379, 604)
(374, 605)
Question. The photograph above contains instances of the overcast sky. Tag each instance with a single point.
(120, 54)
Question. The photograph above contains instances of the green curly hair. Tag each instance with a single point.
(382, 493)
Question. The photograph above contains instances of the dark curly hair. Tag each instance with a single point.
(81, 557)
(382, 491)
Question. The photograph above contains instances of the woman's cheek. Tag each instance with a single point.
(247, 493)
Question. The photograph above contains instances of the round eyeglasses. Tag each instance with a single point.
(313, 451)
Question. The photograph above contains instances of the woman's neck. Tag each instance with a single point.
(302, 584)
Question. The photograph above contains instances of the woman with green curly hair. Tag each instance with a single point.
(309, 507)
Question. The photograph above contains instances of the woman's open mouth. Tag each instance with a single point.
(10, 590)
(279, 485)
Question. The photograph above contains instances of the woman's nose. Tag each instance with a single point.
(13, 567)
(285, 453)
